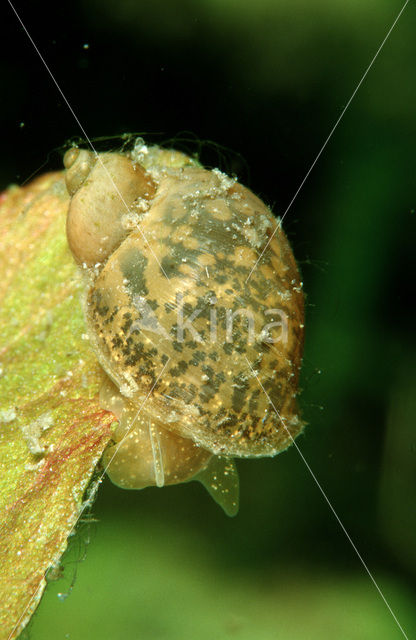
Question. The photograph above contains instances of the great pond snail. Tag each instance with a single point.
(202, 354)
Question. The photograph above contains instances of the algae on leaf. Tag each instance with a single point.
(52, 430)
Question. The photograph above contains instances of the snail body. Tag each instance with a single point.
(203, 360)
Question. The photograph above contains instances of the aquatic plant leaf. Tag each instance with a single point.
(52, 430)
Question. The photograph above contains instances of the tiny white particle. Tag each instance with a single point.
(7, 415)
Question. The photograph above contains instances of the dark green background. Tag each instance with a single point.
(267, 80)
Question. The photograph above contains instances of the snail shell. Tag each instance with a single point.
(203, 359)
(102, 189)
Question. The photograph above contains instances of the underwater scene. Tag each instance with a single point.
(207, 313)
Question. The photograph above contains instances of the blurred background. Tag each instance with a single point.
(255, 88)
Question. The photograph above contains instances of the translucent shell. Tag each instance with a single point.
(204, 355)
(206, 238)
(103, 188)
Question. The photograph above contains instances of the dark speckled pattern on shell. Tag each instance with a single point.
(207, 232)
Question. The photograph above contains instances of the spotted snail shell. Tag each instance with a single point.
(202, 353)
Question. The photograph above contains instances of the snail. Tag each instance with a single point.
(202, 361)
